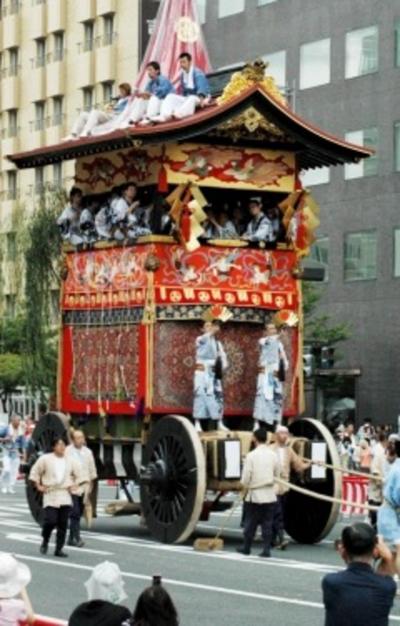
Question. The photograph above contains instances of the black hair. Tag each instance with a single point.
(155, 65)
(57, 440)
(42, 407)
(185, 55)
(367, 420)
(75, 191)
(397, 447)
(359, 539)
(154, 607)
(126, 185)
(260, 435)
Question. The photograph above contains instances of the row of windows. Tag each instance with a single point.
(11, 182)
(360, 255)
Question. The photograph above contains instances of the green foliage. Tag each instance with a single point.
(13, 335)
(11, 374)
(42, 262)
(319, 327)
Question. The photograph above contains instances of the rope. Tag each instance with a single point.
(337, 468)
(325, 498)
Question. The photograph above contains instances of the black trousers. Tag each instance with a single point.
(278, 525)
(258, 515)
(55, 518)
(75, 515)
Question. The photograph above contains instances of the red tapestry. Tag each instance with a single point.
(106, 362)
(175, 360)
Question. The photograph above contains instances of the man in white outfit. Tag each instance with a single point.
(195, 92)
(89, 120)
(12, 440)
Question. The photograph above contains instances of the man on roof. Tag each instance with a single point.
(194, 93)
(147, 104)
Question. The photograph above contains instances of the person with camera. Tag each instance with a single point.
(360, 595)
(211, 363)
(272, 367)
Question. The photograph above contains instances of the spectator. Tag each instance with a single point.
(366, 431)
(378, 470)
(358, 596)
(15, 605)
(105, 589)
(12, 440)
(388, 514)
(155, 608)
(365, 455)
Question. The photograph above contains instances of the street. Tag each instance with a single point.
(208, 588)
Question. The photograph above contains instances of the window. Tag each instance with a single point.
(11, 242)
(108, 29)
(58, 46)
(315, 63)
(10, 305)
(202, 10)
(13, 58)
(87, 98)
(57, 111)
(107, 91)
(39, 115)
(12, 129)
(88, 35)
(318, 176)
(230, 7)
(12, 185)
(397, 146)
(320, 253)
(366, 167)
(15, 6)
(397, 43)
(40, 52)
(360, 256)
(57, 174)
(39, 180)
(361, 52)
(277, 66)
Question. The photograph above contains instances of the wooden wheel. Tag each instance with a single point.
(307, 519)
(50, 426)
(173, 479)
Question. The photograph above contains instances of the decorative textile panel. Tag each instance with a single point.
(106, 363)
(175, 359)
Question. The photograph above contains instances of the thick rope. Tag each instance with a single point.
(337, 468)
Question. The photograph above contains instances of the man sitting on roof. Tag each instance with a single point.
(195, 92)
(147, 104)
(88, 121)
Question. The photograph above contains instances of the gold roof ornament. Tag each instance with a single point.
(251, 74)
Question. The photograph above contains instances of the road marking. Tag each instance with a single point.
(195, 586)
(36, 540)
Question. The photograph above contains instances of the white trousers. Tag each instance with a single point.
(179, 106)
(9, 475)
(87, 121)
(141, 108)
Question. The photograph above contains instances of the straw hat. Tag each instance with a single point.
(14, 576)
(106, 583)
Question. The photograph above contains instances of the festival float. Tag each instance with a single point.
(130, 313)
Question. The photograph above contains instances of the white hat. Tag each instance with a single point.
(14, 576)
(282, 429)
(106, 583)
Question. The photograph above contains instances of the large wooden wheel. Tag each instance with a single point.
(173, 479)
(307, 519)
(50, 426)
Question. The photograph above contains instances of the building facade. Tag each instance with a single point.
(340, 62)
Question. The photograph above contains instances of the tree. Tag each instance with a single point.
(13, 335)
(11, 375)
(318, 328)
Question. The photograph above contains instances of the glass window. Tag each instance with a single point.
(39, 180)
(12, 122)
(361, 52)
(366, 167)
(57, 110)
(318, 176)
(108, 29)
(360, 256)
(202, 10)
(230, 7)
(39, 115)
(88, 35)
(40, 52)
(58, 46)
(11, 185)
(87, 98)
(11, 246)
(277, 66)
(57, 174)
(108, 91)
(13, 61)
(320, 253)
(315, 63)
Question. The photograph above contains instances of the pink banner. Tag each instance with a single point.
(177, 30)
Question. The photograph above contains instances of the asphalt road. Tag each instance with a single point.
(208, 588)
